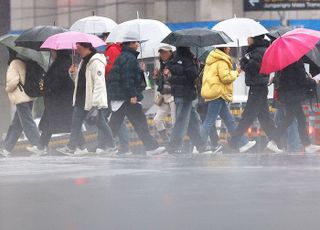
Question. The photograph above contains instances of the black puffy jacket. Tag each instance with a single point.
(294, 83)
(251, 63)
(184, 72)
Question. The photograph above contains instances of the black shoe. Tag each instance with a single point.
(204, 149)
(174, 151)
(217, 148)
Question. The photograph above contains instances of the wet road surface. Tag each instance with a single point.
(198, 192)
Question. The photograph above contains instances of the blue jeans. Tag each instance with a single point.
(123, 136)
(291, 139)
(105, 137)
(219, 107)
(22, 121)
(187, 122)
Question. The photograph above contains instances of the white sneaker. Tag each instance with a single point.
(273, 147)
(107, 151)
(156, 151)
(81, 152)
(312, 148)
(247, 146)
(66, 151)
(36, 151)
(4, 153)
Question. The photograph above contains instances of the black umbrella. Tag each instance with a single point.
(34, 37)
(278, 31)
(197, 37)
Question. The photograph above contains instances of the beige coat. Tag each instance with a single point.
(16, 73)
(96, 92)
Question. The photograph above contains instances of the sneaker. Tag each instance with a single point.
(312, 148)
(36, 151)
(66, 150)
(156, 151)
(217, 148)
(273, 147)
(81, 152)
(247, 146)
(205, 150)
(175, 151)
(107, 151)
(4, 153)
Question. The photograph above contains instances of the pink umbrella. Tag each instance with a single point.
(288, 49)
(68, 40)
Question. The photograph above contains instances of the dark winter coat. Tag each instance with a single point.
(184, 72)
(126, 78)
(251, 63)
(164, 87)
(293, 83)
(58, 95)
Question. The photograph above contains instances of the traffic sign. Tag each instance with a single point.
(261, 5)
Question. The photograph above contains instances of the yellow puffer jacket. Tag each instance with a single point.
(218, 77)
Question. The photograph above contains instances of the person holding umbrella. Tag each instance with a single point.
(58, 91)
(182, 72)
(22, 120)
(217, 90)
(89, 95)
(293, 82)
(257, 104)
(125, 85)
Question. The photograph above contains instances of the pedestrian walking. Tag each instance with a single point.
(293, 86)
(217, 90)
(181, 72)
(125, 85)
(90, 97)
(257, 103)
(22, 119)
(58, 91)
(164, 99)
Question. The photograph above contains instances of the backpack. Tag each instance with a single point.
(34, 83)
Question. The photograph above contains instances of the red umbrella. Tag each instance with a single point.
(288, 49)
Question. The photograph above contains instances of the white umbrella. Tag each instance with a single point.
(150, 49)
(94, 25)
(139, 30)
(239, 29)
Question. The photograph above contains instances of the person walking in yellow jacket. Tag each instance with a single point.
(217, 90)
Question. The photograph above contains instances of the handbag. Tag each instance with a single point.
(158, 100)
(92, 116)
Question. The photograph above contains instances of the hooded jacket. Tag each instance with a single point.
(16, 73)
(218, 77)
(251, 64)
(96, 93)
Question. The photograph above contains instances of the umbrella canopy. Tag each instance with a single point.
(197, 37)
(94, 25)
(34, 37)
(239, 29)
(139, 30)
(42, 58)
(278, 31)
(288, 49)
(68, 40)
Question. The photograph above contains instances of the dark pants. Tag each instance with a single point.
(22, 121)
(44, 139)
(105, 137)
(257, 107)
(293, 111)
(135, 115)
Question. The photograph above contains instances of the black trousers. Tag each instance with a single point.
(293, 111)
(44, 139)
(136, 116)
(257, 107)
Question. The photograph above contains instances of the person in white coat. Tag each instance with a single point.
(22, 119)
(90, 95)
